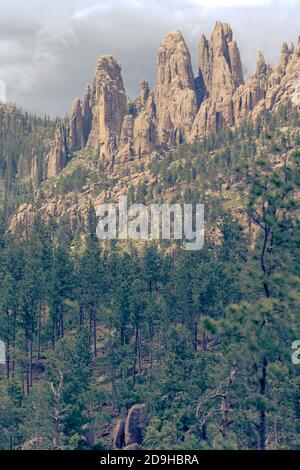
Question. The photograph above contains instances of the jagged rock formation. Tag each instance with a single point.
(268, 88)
(108, 104)
(220, 63)
(76, 127)
(283, 83)
(121, 131)
(145, 131)
(95, 122)
(36, 175)
(143, 97)
(220, 72)
(57, 158)
(226, 99)
(175, 94)
(126, 143)
(180, 108)
(247, 97)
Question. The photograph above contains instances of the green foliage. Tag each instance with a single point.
(203, 338)
(22, 136)
(73, 181)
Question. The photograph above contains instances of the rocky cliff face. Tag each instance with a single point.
(175, 95)
(284, 81)
(220, 72)
(95, 122)
(77, 138)
(248, 96)
(180, 108)
(267, 88)
(57, 158)
(226, 99)
(220, 63)
(126, 142)
(145, 129)
(108, 104)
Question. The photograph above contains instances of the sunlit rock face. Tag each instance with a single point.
(220, 74)
(180, 108)
(175, 94)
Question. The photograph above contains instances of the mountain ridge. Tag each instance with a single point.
(113, 135)
(181, 107)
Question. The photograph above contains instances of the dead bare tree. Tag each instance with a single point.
(219, 399)
(58, 411)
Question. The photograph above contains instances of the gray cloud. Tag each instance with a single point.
(48, 49)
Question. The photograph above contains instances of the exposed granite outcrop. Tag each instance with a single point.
(220, 72)
(126, 143)
(108, 103)
(175, 94)
(180, 108)
(57, 158)
(128, 433)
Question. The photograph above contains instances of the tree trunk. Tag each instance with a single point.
(262, 413)
(13, 360)
(53, 334)
(91, 322)
(95, 333)
(151, 354)
(23, 383)
(140, 351)
(195, 336)
(204, 435)
(39, 332)
(27, 368)
(262, 262)
(62, 325)
(135, 353)
(58, 412)
(13, 363)
(31, 357)
(7, 360)
(113, 388)
(81, 316)
(224, 416)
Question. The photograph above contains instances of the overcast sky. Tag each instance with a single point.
(48, 48)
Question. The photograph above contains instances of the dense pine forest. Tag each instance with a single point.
(202, 338)
(24, 141)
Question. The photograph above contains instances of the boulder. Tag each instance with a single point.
(118, 435)
(32, 444)
(135, 425)
(132, 447)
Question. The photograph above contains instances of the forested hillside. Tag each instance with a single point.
(24, 143)
(202, 338)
